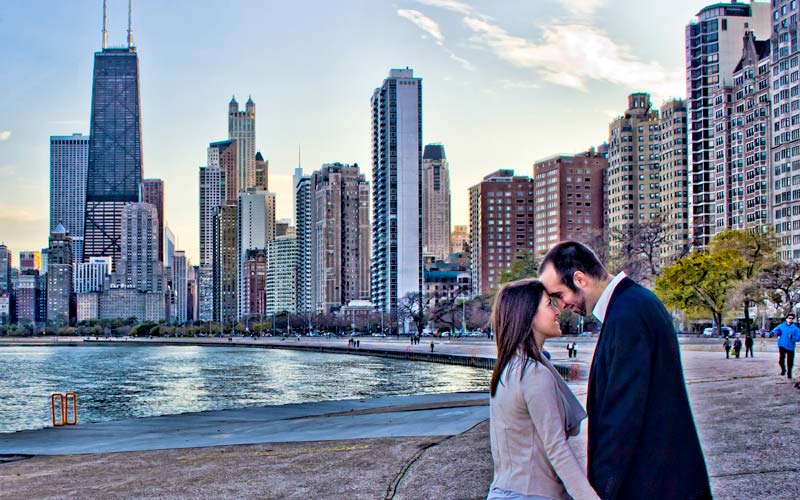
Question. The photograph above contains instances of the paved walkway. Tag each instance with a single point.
(748, 419)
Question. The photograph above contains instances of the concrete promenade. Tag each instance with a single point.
(405, 448)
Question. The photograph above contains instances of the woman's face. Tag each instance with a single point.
(545, 323)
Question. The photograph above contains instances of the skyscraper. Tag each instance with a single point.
(340, 237)
(713, 49)
(255, 284)
(262, 173)
(633, 175)
(252, 234)
(153, 193)
(674, 182)
(568, 202)
(114, 175)
(785, 153)
(212, 196)
(436, 201)
(59, 277)
(69, 160)
(501, 225)
(179, 296)
(396, 268)
(5, 269)
(242, 129)
(90, 276)
(226, 262)
(281, 275)
(141, 268)
(224, 155)
(302, 218)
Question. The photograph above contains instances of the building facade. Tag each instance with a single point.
(397, 233)
(501, 220)
(6, 264)
(27, 297)
(302, 217)
(785, 145)
(30, 260)
(59, 277)
(459, 239)
(212, 194)
(141, 268)
(262, 173)
(114, 172)
(255, 285)
(436, 201)
(713, 49)
(242, 130)
(252, 232)
(91, 276)
(179, 297)
(153, 193)
(674, 180)
(340, 237)
(226, 262)
(225, 156)
(281, 275)
(568, 203)
(69, 161)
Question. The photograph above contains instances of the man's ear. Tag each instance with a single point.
(580, 279)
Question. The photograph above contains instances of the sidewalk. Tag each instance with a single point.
(746, 414)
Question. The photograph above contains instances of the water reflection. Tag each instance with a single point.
(115, 382)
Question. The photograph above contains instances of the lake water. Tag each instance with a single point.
(116, 382)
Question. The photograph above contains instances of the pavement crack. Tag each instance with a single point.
(757, 472)
(391, 491)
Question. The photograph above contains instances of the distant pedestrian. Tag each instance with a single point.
(431, 345)
(574, 350)
(748, 346)
(727, 346)
(789, 334)
(569, 349)
(737, 347)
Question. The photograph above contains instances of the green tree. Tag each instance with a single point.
(749, 253)
(699, 282)
(525, 265)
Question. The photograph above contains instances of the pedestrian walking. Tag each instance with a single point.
(737, 347)
(748, 346)
(789, 334)
(532, 412)
(431, 345)
(642, 440)
(574, 350)
(569, 349)
(727, 346)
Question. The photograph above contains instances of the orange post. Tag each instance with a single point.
(61, 407)
(67, 397)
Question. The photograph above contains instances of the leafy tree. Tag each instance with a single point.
(700, 282)
(525, 265)
(750, 253)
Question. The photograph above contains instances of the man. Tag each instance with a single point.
(642, 439)
(789, 335)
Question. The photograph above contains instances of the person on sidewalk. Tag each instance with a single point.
(532, 412)
(737, 346)
(748, 345)
(727, 346)
(789, 334)
(643, 441)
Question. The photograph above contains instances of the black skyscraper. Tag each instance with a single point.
(115, 149)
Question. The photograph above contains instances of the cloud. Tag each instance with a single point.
(4, 135)
(14, 213)
(511, 84)
(463, 62)
(570, 55)
(424, 23)
(7, 170)
(582, 7)
(452, 5)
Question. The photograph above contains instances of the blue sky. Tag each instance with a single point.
(504, 83)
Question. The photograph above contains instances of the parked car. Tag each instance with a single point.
(711, 331)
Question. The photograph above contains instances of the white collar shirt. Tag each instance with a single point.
(601, 307)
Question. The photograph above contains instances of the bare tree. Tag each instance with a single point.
(412, 306)
(781, 281)
(637, 249)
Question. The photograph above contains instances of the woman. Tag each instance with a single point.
(532, 410)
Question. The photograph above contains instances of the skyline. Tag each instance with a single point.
(501, 60)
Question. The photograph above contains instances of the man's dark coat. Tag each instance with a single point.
(642, 439)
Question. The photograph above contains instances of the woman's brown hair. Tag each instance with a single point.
(515, 306)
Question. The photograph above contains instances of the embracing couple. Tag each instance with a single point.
(642, 439)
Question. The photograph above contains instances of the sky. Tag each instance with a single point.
(505, 83)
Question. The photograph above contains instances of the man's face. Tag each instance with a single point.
(566, 298)
(789, 320)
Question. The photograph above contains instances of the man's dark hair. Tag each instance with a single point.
(570, 256)
(790, 315)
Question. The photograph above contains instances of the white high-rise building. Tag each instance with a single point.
(179, 304)
(713, 49)
(281, 275)
(69, 161)
(252, 233)
(397, 230)
(212, 195)
(242, 129)
(436, 201)
(91, 276)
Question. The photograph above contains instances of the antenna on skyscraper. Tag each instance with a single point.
(105, 32)
(299, 164)
(130, 24)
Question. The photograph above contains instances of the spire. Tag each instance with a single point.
(105, 32)
(233, 106)
(299, 164)
(130, 24)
